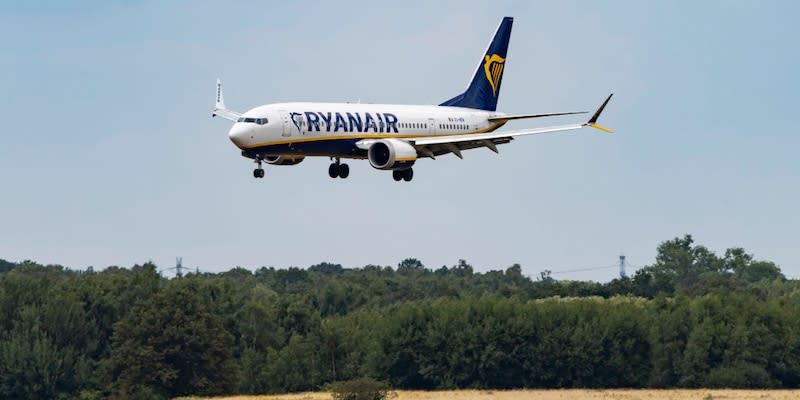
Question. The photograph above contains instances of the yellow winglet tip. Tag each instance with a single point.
(602, 128)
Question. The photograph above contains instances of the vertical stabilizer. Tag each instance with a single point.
(484, 89)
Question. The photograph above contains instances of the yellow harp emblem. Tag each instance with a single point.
(493, 66)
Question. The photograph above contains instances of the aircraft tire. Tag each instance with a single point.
(397, 175)
(408, 175)
(333, 171)
(258, 173)
(344, 171)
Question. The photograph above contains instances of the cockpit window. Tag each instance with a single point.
(260, 121)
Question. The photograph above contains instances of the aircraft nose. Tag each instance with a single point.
(238, 134)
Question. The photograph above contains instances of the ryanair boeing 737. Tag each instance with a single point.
(391, 137)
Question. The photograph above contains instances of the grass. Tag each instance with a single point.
(569, 394)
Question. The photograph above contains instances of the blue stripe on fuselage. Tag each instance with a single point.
(324, 148)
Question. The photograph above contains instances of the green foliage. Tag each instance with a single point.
(692, 319)
(6, 266)
(173, 344)
(360, 389)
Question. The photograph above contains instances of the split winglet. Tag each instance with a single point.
(593, 121)
(219, 106)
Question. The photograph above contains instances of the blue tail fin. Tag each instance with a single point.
(482, 92)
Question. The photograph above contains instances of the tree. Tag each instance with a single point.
(174, 345)
(410, 266)
(327, 268)
(6, 266)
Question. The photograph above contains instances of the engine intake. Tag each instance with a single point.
(391, 154)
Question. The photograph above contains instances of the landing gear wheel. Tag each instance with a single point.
(333, 171)
(344, 171)
(397, 175)
(408, 175)
(258, 172)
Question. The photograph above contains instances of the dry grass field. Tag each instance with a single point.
(577, 394)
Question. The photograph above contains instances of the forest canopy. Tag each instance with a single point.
(692, 319)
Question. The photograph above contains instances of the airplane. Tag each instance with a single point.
(391, 137)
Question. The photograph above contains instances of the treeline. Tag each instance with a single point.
(692, 319)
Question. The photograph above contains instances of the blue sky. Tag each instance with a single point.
(108, 154)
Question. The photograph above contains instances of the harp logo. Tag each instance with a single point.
(296, 121)
(493, 67)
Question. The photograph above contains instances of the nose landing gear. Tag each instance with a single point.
(258, 172)
(339, 170)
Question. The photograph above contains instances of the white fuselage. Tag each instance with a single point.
(331, 129)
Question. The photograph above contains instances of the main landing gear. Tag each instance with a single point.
(339, 170)
(258, 172)
(405, 174)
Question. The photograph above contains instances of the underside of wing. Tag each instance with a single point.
(435, 146)
(227, 114)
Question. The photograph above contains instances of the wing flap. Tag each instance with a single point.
(477, 137)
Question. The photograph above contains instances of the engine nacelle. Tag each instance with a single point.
(391, 154)
(283, 160)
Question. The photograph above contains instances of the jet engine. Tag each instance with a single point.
(391, 154)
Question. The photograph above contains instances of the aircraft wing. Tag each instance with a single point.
(505, 118)
(219, 106)
(437, 145)
(491, 135)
